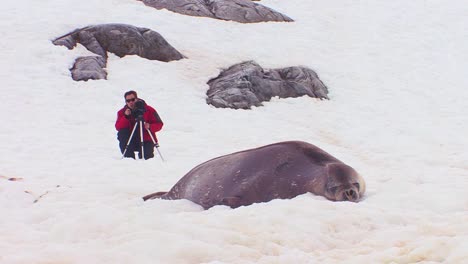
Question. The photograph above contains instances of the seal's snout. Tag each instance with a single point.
(351, 195)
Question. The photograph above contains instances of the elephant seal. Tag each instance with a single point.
(278, 171)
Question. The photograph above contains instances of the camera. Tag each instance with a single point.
(140, 109)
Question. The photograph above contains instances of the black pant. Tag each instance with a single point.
(134, 145)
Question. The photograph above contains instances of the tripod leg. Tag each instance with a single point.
(129, 139)
(141, 140)
(159, 152)
(156, 145)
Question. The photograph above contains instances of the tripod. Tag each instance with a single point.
(139, 124)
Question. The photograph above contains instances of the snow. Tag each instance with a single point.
(396, 71)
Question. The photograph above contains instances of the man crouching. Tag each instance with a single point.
(128, 118)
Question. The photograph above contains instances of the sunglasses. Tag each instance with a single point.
(130, 100)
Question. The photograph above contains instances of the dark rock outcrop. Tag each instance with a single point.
(119, 39)
(89, 67)
(244, 11)
(247, 84)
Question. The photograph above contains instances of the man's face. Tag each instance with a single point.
(130, 100)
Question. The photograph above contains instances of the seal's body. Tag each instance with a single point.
(278, 171)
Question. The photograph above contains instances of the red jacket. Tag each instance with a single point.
(150, 116)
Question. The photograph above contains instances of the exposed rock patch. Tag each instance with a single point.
(247, 84)
(89, 67)
(119, 39)
(244, 11)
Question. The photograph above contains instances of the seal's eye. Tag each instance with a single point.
(333, 189)
(357, 185)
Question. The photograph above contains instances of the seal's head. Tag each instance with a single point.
(344, 183)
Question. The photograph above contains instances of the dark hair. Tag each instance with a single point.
(129, 93)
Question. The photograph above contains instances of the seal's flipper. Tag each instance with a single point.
(232, 202)
(153, 196)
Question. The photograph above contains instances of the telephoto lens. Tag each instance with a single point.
(140, 108)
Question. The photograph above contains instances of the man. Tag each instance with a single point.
(127, 118)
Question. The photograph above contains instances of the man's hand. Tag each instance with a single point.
(128, 112)
(147, 125)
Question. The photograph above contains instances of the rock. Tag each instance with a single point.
(89, 67)
(244, 11)
(121, 40)
(247, 84)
